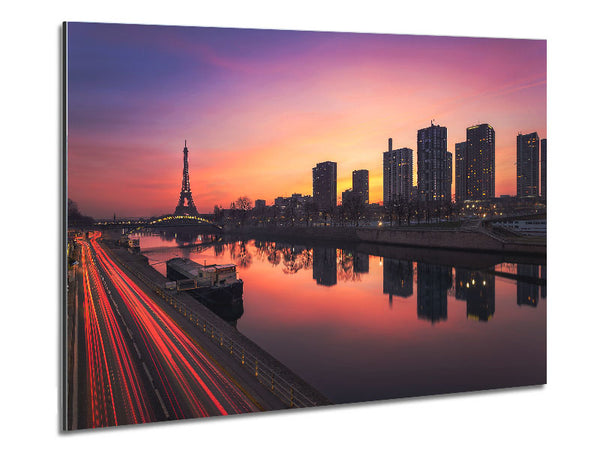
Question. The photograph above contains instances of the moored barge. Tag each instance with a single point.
(213, 282)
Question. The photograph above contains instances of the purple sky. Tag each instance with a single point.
(260, 108)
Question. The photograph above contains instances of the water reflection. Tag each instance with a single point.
(543, 277)
(479, 291)
(433, 282)
(397, 278)
(181, 237)
(330, 265)
(294, 259)
(325, 266)
(385, 320)
(219, 249)
(527, 293)
(360, 263)
(239, 254)
(230, 311)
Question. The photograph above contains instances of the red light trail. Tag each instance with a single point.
(171, 378)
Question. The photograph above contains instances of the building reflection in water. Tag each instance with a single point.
(325, 266)
(433, 282)
(361, 263)
(331, 265)
(527, 292)
(543, 287)
(397, 278)
(479, 290)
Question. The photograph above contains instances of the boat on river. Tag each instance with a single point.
(212, 282)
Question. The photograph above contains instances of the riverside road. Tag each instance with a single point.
(135, 364)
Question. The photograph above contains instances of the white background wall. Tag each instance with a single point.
(564, 413)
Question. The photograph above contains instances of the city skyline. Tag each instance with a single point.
(256, 120)
(528, 165)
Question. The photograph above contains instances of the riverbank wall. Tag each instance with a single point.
(462, 239)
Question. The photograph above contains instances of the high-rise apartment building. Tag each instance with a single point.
(397, 174)
(360, 184)
(347, 196)
(448, 187)
(481, 162)
(460, 171)
(325, 185)
(432, 164)
(543, 192)
(528, 150)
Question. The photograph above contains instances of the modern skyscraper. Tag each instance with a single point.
(543, 170)
(325, 185)
(348, 196)
(528, 150)
(397, 173)
(360, 184)
(432, 163)
(481, 162)
(448, 187)
(460, 171)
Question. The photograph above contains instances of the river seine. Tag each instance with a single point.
(369, 323)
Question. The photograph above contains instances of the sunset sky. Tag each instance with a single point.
(260, 108)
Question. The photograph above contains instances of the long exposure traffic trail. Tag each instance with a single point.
(137, 365)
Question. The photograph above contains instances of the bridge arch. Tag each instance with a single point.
(173, 219)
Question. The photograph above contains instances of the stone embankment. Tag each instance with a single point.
(478, 239)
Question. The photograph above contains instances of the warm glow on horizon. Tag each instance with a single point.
(260, 109)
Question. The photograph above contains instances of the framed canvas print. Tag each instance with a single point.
(261, 220)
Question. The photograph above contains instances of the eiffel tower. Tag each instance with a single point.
(186, 206)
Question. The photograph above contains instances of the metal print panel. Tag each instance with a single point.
(263, 220)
